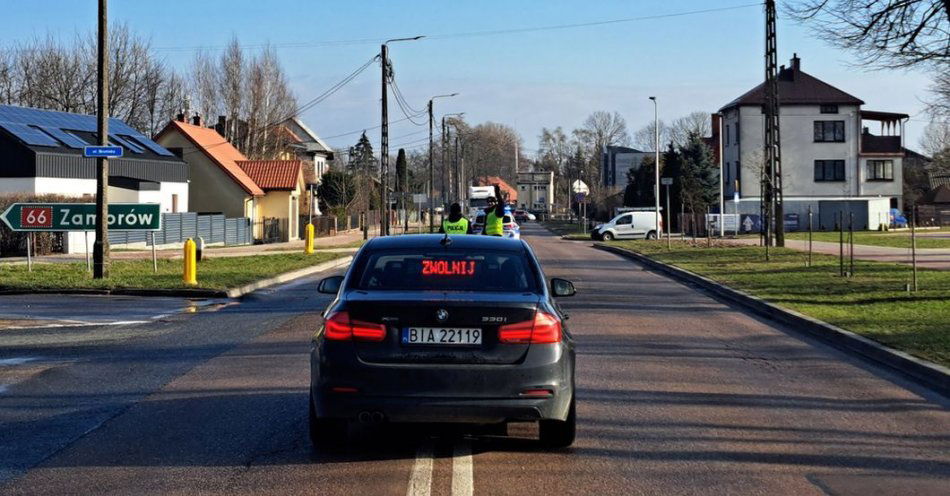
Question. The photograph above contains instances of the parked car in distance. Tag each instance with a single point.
(521, 216)
(628, 225)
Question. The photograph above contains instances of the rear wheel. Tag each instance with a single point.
(608, 236)
(326, 433)
(559, 433)
(651, 235)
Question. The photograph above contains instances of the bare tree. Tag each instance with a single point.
(695, 123)
(204, 83)
(232, 85)
(939, 104)
(884, 33)
(645, 139)
(269, 102)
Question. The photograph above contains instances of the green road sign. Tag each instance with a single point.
(81, 217)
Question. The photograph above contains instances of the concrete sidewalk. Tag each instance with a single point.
(931, 258)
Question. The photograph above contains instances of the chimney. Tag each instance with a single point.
(196, 120)
(796, 63)
(180, 117)
(222, 125)
(716, 122)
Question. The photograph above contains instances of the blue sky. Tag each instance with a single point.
(527, 80)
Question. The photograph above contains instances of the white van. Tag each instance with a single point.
(629, 225)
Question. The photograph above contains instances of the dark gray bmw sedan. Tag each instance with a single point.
(428, 328)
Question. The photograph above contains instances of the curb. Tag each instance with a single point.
(237, 292)
(287, 276)
(931, 375)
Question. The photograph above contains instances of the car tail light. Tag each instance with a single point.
(537, 392)
(545, 328)
(339, 327)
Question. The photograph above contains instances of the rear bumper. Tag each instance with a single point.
(442, 392)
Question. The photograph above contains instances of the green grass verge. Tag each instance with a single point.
(563, 227)
(213, 273)
(873, 303)
(899, 239)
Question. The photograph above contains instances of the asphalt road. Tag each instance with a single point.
(678, 393)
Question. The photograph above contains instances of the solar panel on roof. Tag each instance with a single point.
(151, 145)
(29, 135)
(126, 143)
(21, 118)
(69, 139)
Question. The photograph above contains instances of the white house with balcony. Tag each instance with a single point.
(831, 161)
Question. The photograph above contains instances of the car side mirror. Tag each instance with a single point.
(330, 285)
(562, 287)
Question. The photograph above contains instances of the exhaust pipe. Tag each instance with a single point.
(365, 417)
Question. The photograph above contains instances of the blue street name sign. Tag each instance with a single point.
(102, 151)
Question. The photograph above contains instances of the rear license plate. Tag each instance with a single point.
(442, 336)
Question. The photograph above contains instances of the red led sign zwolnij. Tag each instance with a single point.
(448, 267)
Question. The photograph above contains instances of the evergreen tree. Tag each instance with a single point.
(701, 184)
(361, 156)
(401, 171)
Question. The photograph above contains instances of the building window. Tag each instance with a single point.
(880, 170)
(727, 136)
(829, 109)
(738, 176)
(728, 173)
(829, 131)
(829, 170)
(737, 133)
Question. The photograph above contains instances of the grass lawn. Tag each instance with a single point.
(563, 227)
(898, 239)
(213, 273)
(873, 303)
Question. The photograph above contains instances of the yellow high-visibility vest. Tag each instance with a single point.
(494, 225)
(458, 227)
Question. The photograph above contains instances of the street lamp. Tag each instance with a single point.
(384, 134)
(431, 168)
(656, 166)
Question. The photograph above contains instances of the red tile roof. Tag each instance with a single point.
(273, 174)
(512, 193)
(216, 148)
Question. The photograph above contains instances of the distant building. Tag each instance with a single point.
(223, 180)
(41, 152)
(617, 161)
(506, 189)
(536, 191)
(828, 153)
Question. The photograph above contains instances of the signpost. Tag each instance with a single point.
(667, 181)
(102, 151)
(60, 217)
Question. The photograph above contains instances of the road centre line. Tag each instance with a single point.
(462, 480)
(420, 481)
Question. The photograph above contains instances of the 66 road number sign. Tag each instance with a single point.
(33, 217)
(81, 217)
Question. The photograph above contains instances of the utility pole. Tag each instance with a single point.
(384, 146)
(442, 193)
(458, 177)
(722, 199)
(100, 249)
(772, 172)
(384, 133)
(431, 172)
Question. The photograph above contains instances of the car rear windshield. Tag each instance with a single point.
(447, 270)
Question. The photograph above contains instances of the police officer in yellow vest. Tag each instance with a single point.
(495, 215)
(455, 223)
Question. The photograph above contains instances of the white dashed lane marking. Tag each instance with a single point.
(462, 482)
(420, 481)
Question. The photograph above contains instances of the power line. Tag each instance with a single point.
(470, 34)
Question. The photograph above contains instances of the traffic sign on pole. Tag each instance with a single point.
(81, 217)
(102, 151)
(666, 181)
